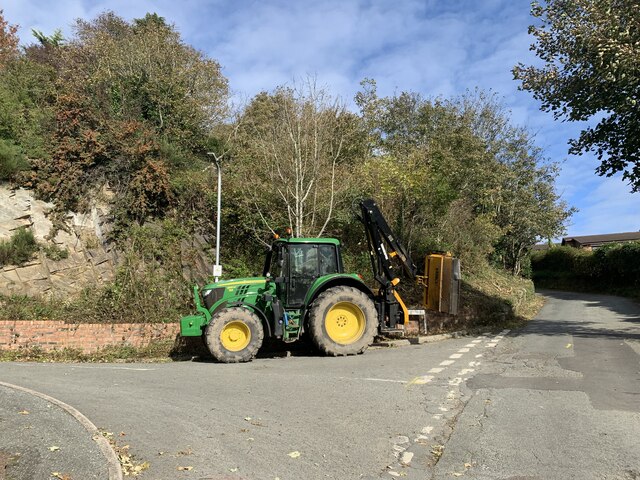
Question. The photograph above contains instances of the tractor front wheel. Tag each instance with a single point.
(234, 335)
(343, 321)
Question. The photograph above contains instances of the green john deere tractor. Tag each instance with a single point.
(303, 288)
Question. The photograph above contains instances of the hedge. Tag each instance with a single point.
(612, 268)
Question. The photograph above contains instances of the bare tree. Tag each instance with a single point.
(294, 142)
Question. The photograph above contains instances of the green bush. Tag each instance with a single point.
(19, 248)
(11, 160)
(54, 252)
(613, 268)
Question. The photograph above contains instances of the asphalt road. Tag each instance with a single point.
(559, 399)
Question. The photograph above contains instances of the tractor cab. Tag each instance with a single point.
(295, 264)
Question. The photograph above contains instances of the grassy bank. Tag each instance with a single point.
(497, 298)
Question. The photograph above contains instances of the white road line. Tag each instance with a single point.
(421, 380)
(463, 350)
(491, 345)
(447, 362)
(114, 368)
(368, 379)
(479, 355)
(455, 381)
(470, 345)
(427, 430)
(455, 355)
(464, 371)
(436, 370)
(406, 458)
(476, 341)
(382, 380)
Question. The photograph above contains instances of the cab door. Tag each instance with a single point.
(303, 270)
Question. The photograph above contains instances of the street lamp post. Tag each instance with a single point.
(217, 268)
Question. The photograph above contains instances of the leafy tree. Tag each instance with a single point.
(132, 103)
(8, 41)
(591, 55)
(26, 93)
(146, 72)
(457, 175)
(56, 39)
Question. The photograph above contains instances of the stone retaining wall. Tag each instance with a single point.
(86, 337)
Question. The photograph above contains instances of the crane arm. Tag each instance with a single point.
(384, 246)
(385, 250)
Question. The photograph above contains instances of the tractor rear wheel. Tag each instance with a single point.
(234, 335)
(343, 321)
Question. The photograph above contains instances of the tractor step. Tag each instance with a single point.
(392, 330)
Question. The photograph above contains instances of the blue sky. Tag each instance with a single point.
(437, 48)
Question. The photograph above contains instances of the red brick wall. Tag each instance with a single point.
(87, 337)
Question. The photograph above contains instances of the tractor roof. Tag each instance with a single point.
(330, 241)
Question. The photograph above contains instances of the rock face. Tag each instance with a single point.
(90, 261)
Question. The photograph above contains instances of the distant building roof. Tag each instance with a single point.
(596, 240)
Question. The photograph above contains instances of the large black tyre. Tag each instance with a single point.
(343, 321)
(234, 335)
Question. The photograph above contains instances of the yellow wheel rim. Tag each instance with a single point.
(345, 323)
(235, 336)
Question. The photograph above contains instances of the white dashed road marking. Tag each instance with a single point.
(400, 448)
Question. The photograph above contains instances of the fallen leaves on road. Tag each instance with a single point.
(23, 412)
(437, 450)
(54, 448)
(130, 466)
(185, 469)
(295, 454)
(568, 345)
(253, 422)
(61, 476)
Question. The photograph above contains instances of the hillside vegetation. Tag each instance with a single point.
(130, 108)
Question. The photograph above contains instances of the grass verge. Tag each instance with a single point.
(158, 351)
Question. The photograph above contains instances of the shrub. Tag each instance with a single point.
(19, 248)
(11, 159)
